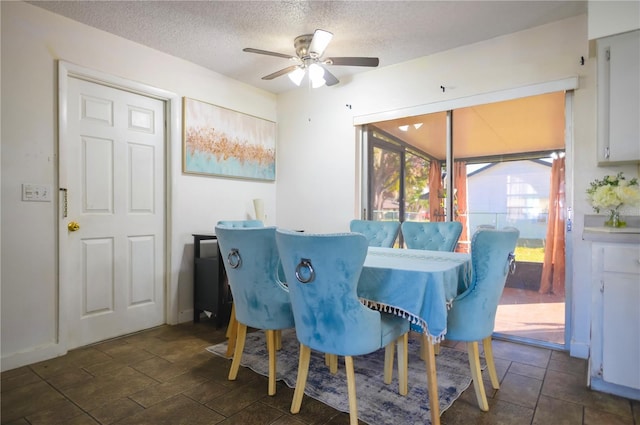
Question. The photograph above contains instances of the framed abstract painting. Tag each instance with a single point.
(222, 142)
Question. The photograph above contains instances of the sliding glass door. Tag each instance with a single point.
(522, 193)
(498, 165)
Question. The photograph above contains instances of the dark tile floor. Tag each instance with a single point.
(165, 376)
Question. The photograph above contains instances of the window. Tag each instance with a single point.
(399, 180)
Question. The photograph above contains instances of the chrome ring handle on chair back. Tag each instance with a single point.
(305, 277)
(512, 262)
(234, 258)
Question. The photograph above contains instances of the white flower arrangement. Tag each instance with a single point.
(612, 192)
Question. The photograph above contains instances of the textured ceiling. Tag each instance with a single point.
(213, 33)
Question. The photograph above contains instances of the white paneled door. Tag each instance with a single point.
(113, 155)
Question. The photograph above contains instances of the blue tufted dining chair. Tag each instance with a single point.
(322, 272)
(378, 233)
(433, 236)
(473, 313)
(232, 327)
(261, 301)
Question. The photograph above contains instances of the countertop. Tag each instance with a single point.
(612, 230)
(595, 231)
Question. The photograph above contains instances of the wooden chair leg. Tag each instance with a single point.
(232, 331)
(271, 348)
(279, 339)
(351, 389)
(491, 365)
(333, 363)
(476, 373)
(389, 353)
(232, 320)
(432, 380)
(436, 349)
(237, 355)
(403, 364)
(331, 360)
(301, 380)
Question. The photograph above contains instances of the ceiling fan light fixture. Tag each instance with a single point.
(316, 75)
(319, 42)
(296, 76)
(309, 51)
(318, 83)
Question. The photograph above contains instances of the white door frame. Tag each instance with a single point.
(172, 134)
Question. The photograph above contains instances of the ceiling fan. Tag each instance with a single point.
(309, 51)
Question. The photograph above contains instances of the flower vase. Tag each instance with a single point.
(614, 219)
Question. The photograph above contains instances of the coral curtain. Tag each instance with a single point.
(553, 268)
(436, 213)
(460, 209)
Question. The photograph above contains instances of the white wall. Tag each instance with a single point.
(532, 178)
(612, 17)
(318, 147)
(486, 205)
(32, 41)
(482, 196)
(317, 175)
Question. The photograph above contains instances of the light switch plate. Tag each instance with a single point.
(36, 192)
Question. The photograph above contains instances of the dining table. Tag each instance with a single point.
(420, 286)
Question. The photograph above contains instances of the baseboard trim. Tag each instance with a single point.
(34, 355)
(579, 350)
(598, 384)
(185, 316)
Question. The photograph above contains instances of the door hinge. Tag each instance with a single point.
(600, 370)
(607, 54)
(602, 286)
(607, 152)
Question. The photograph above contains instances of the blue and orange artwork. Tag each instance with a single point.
(222, 142)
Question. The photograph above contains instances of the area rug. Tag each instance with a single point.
(378, 403)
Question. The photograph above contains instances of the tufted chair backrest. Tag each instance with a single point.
(472, 315)
(251, 259)
(241, 223)
(328, 314)
(378, 233)
(433, 236)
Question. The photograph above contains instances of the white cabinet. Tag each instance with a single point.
(619, 98)
(614, 361)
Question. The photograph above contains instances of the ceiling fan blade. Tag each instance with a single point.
(353, 61)
(266, 52)
(281, 72)
(320, 41)
(329, 78)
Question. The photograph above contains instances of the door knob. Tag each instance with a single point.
(73, 226)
